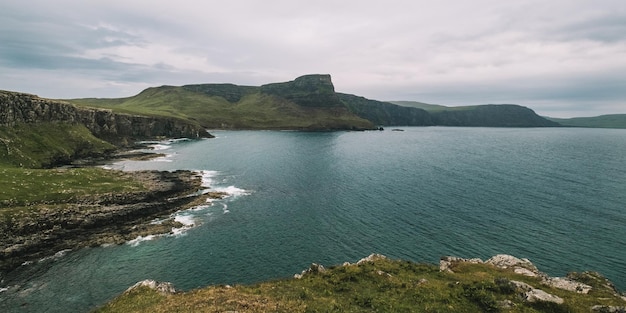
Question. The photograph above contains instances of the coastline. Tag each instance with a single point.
(96, 220)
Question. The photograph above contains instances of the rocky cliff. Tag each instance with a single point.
(491, 115)
(385, 113)
(121, 129)
(307, 91)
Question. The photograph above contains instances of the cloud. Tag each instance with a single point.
(550, 56)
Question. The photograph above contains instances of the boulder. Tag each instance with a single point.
(445, 263)
(608, 309)
(164, 288)
(530, 294)
(371, 258)
(519, 266)
(567, 284)
(314, 268)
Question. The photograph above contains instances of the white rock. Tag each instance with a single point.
(371, 258)
(446, 262)
(525, 272)
(567, 284)
(530, 294)
(540, 295)
(162, 287)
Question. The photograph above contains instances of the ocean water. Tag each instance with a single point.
(556, 196)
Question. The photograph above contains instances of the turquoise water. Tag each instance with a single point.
(556, 196)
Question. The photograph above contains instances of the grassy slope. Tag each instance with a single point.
(421, 105)
(434, 108)
(252, 111)
(45, 144)
(380, 286)
(26, 189)
(603, 121)
(26, 148)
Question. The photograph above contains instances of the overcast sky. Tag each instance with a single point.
(562, 58)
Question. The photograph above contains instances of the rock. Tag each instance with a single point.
(531, 294)
(445, 263)
(383, 273)
(567, 284)
(95, 221)
(314, 268)
(520, 266)
(595, 280)
(536, 295)
(608, 309)
(165, 288)
(371, 258)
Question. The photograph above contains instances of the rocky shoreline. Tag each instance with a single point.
(101, 219)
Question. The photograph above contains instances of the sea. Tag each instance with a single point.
(556, 196)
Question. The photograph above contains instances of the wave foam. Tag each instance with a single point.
(57, 255)
(208, 177)
(160, 147)
(185, 219)
(233, 191)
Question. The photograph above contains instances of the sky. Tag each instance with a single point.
(561, 58)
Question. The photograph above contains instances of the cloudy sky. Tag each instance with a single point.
(562, 58)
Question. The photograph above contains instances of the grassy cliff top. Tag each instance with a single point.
(378, 284)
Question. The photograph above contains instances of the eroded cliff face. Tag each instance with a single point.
(120, 129)
(308, 91)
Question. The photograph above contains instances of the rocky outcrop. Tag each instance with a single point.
(520, 266)
(164, 288)
(307, 91)
(608, 309)
(581, 283)
(121, 129)
(92, 221)
(531, 294)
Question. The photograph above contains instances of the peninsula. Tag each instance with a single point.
(45, 208)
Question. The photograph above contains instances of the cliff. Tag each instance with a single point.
(308, 91)
(117, 128)
(492, 115)
(385, 113)
(489, 115)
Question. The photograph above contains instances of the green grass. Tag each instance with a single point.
(26, 149)
(24, 187)
(382, 286)
(253, 110)
(47, 144)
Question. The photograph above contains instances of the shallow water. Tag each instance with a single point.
(555, 196)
